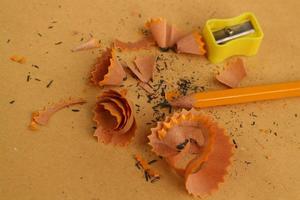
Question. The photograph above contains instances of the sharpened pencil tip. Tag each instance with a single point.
(182, 102)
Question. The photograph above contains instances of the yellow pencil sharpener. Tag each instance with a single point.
(224, 38)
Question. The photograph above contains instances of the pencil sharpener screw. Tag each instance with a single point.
(229, 31)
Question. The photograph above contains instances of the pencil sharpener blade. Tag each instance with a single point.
(224, 38)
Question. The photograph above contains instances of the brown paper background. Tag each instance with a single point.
(64, 161)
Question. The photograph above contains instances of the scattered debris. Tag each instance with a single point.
(18, 59)
(149, 173)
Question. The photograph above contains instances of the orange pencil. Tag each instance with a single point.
(238, 95)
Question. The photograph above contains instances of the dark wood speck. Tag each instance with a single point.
(35, 66)
(58, 43)
(235, 144)
(49, 84)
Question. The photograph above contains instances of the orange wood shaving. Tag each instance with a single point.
(91, 44)
(195, 158)
(170, 96)
(146, 167)
(43, 116)
(234, 72)
(123, 92)
(108, 70)
(115, 119)
(191, 44)
(18, 59)
(200, 43)
(165, 35)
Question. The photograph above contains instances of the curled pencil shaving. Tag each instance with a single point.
(234, 73)
(192, 44)
(43, 116)
(114, 117)
(212, 172)
(164, 34)
(178, 161)
(101, 67)
(181, 128)
(144, 43)
(108, 70)
(18, 59)
(188, 142)
(91, 44)
(118, 106)
(142, 163)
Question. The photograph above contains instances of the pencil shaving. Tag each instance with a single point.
(201, 183)
(108, 70)
(42, 117)
(187, 141)
(164, 34)
(174, 35)
(91, 44)
(233, 74)
(191, 44)
(114, 117)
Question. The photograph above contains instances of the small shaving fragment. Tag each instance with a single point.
(145, 65)
(143, 68)
(233, 74)
(191, 44)
(195, 147)
(144, 43)
(18, 59)
(91, 44)
(43, 116)
(114, 117)
(150, 174)
(164, 34)
(108, 70)
(146, 87)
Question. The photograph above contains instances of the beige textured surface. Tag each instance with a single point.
(64, 161)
